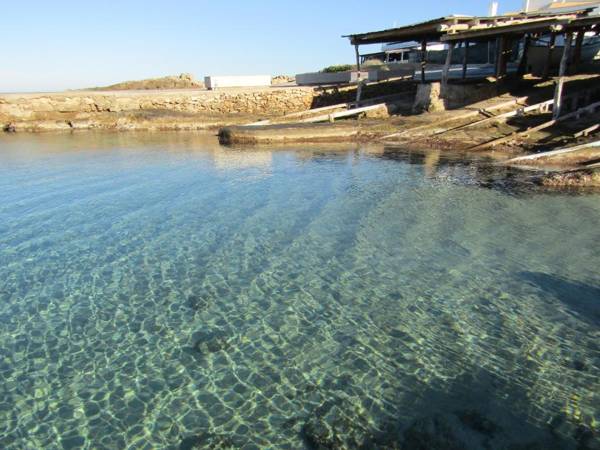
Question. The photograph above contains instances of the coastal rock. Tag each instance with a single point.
(582, 178)
(432, 433)
(209, 341)
(34, 112)
(206, 441)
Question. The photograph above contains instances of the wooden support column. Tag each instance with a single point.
(564, 62)
(423, 59)
(501, 58)
(578, 48)
(523, 63)
(465, 60)
(551, 48)
(357, 57)
(446, 71)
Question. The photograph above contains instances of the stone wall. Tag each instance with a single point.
(16, 109)
(432, 97)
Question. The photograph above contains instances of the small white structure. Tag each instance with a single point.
(318, 78)
(214, 82)
(553, 5)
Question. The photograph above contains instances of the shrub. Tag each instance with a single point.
(338, 68)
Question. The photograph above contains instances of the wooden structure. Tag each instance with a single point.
(504, 31)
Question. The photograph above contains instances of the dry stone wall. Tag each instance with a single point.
(66, 107)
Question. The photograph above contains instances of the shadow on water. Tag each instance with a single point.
(581, 299)
(477, 411)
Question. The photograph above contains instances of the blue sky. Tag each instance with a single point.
(61, 44)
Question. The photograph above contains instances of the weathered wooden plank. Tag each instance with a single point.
(540, 127)
(339, 115)
(587, 131)
(465, 60)
(446, 71)
(466, 115)
(551, 47)
(564, 62)
(552, 153)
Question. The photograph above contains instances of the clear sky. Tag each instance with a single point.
(62, 44)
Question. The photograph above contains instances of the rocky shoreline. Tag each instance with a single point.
(148, 110)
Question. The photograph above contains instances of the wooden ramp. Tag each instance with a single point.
(579, 154)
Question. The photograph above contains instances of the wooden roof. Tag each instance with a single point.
(447, 28)
(560, 23)
(416, 32)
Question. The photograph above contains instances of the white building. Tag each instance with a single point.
(545, 5)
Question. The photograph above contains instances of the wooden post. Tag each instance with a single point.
(500, 57)
(523, 63)
(446, 71)
(578, 47)
(551, 47)
(423, 59)
(465, 60)
(357, 57)
(564, 62)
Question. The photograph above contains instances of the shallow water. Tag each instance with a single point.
(160, 291)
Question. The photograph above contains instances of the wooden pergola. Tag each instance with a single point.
(503, 30)
(568, 25)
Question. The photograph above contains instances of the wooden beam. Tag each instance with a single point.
(501, 55)
(513, 28)
(351, 112)
(356, 51)
(465, 60)
(551, 47)
(558, 92)
(587, 131)
(423, 59)
(466, 115)
(540, 107)
(549, 154)
(523, 63)
(510, 137)
(578, 48)
(446, 71)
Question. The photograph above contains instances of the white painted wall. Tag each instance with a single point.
(534, 5)
(316, 78)
(214, 82)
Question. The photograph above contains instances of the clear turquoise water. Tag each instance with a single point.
(159, 291)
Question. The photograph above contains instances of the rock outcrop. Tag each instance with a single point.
(183, 81)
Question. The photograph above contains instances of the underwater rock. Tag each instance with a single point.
(206, 441)
(587, 439)
(317, 436)
(210, 341)
(336, 425)
(432, 433)
(197, 303)
(477, 422)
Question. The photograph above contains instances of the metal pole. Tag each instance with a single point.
(357, 57)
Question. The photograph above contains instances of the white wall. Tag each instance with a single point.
(533, 5)
(213, 82)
